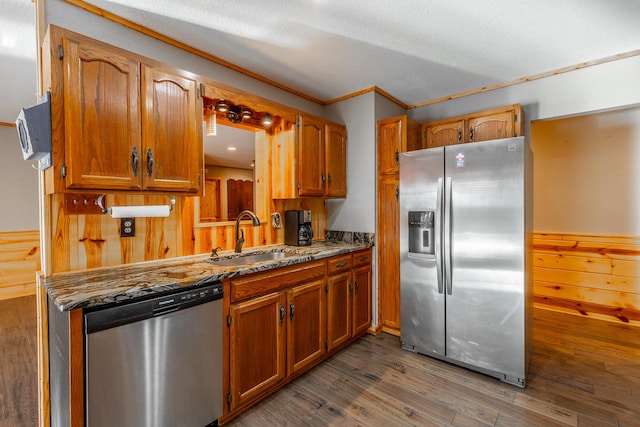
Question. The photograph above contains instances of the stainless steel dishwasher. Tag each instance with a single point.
(156, 362)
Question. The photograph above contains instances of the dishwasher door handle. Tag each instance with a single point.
(165, 310)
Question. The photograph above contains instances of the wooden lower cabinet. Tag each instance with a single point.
(361, 298)
(306, 331)
(257, 346)
(339, 294)
(284, 321)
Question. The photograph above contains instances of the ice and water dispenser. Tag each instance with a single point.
(422, 232)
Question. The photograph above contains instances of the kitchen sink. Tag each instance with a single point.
(251, 259)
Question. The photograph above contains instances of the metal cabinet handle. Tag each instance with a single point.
(356, 286)
(135, 160)
(322, 178)
(281, 314)
(350, 288)
(471, 134)
(459, 136)
(291, 311)
(149, 162)
(329, 179)
(397, 157)
(363, 258)
(341, 264)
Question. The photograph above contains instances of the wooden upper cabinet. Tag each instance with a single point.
(119, 121)
(101, 116)
(390, 133)
(336, 160)
(396, 135)
(444, 134)
(495, 123)
(308, 159)
(492, 126)
(171, 132)
(311, 174)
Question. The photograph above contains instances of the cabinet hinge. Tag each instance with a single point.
(63, 170)
(60, 52)
(201, 90)
(229, 398)
(515, 117)
(228, 320)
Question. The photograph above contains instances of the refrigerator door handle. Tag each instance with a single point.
(447, 236)
(438, 236)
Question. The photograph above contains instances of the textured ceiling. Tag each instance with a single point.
(416, 50)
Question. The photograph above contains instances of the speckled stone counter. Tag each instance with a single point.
(108, 285)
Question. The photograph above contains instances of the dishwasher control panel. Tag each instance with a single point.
(101, 318)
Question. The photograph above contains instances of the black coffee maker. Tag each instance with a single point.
(297, 228)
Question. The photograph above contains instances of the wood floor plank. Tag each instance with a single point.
(584, 372)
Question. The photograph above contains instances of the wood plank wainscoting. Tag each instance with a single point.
(593, 275)
(19, 262)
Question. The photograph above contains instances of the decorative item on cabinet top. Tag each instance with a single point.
(94, 204)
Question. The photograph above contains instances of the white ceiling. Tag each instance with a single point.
(416, 50)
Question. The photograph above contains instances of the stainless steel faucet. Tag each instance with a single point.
(240, 233)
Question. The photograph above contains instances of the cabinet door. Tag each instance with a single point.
(311, 178)
(389, 255)
(257, 346)
(494, 126)
(390, 134)
(361, 299)
(173, 154)
(444, 134)
(336, 160)
(339, 308)
(101, 113)
(306, 334)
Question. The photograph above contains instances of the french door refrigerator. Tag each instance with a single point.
(465, 255)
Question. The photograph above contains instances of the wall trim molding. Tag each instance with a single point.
(154, 34)
(161, 37)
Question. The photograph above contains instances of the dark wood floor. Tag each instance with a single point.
(584, 372)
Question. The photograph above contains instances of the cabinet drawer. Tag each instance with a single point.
(362, 258)
(252, 285)
(339, 263)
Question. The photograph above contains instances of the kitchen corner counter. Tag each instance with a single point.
(90, 288)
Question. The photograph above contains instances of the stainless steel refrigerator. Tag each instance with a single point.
(465, 255)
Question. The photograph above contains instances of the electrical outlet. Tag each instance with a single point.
(127, 227)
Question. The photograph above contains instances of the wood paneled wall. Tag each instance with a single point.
(19, 262)
(592, 275)
(86, 241)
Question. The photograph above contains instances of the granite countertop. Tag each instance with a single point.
(94, 287)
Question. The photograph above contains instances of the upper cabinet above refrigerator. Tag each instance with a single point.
(496, 123)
